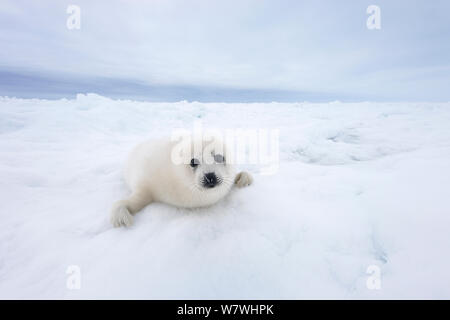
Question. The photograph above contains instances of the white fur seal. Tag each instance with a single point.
(201, 179)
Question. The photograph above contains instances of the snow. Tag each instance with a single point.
(358, 185)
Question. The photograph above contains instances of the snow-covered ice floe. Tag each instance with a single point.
(360, 187)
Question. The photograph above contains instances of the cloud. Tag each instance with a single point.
(306, 46)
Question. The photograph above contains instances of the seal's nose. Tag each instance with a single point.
(209, 180)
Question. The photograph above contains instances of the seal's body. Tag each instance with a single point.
(197, 178)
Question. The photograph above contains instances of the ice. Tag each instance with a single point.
(359, 184)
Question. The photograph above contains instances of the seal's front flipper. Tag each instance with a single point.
(243, 179)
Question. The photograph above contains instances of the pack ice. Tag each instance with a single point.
(359, 207)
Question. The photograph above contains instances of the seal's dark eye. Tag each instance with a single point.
(194, 162)
(219, 158)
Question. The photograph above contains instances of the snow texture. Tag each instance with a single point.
(359, 185)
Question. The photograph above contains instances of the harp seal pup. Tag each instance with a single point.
(202, 178)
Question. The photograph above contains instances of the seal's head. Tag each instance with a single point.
(208, 171)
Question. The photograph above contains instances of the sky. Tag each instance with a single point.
(246, 50)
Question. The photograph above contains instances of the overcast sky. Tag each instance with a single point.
(305, 50)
